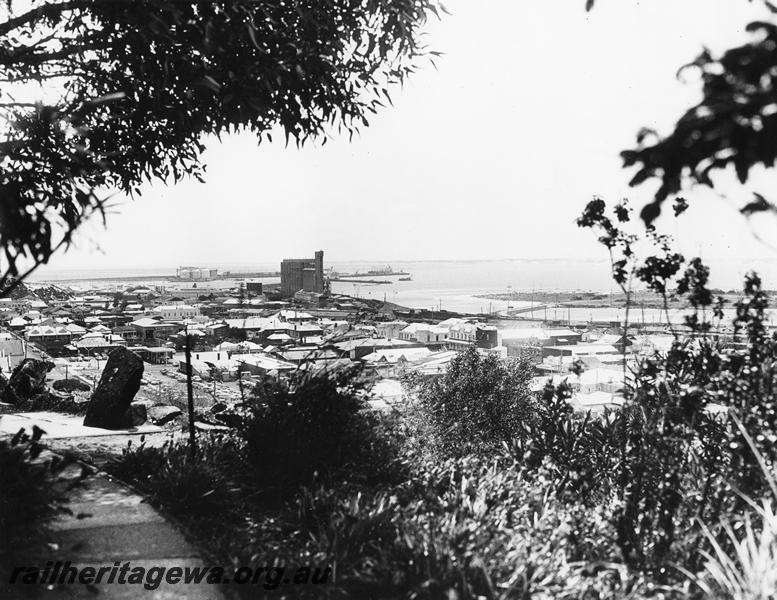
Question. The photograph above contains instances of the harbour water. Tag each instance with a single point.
(456, 285)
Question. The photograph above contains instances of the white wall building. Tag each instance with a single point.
(176, 312)
(424, 333)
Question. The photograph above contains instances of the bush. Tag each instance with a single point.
(138, 465)
(31, 494)
(465, 528)
(479, 403)
(26, 497)
(741, 563)
(317, 426)
(193, 485)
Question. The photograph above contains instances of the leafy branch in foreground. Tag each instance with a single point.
(124, 92)
(733, 126)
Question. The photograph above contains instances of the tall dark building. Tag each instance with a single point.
(302, 274)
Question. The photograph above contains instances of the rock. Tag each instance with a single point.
(218, 407)
(109, 406)
(70, 385)
(27, 380)
(147, 402)
(160, 415)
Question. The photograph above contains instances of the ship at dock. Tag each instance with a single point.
(383, 271)
(386, 271)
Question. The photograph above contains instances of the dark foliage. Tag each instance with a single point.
(197, 485)
(317, 426)
(31, 494)
(734, 124)
(675, 458)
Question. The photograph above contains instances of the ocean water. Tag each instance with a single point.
(455, 285)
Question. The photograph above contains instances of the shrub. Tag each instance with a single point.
(316, 426)
(740, 564)
(468, 527)
(137, 465)
(477, 405)
(199, 485)
(190, 485)
(746, 572)
(668, 460)
(31, 494)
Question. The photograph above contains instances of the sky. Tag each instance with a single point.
(492, 154)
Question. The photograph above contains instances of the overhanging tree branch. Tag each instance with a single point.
(141, 83)
(49, 11)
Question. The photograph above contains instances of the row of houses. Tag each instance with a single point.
(232, 338)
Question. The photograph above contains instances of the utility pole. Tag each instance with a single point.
(190, 393)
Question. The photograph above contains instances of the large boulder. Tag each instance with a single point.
(27, 380)
(70, 385)
(110, 407)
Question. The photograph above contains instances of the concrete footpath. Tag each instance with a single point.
(110, 524)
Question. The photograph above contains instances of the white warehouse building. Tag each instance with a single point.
(176, 312)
